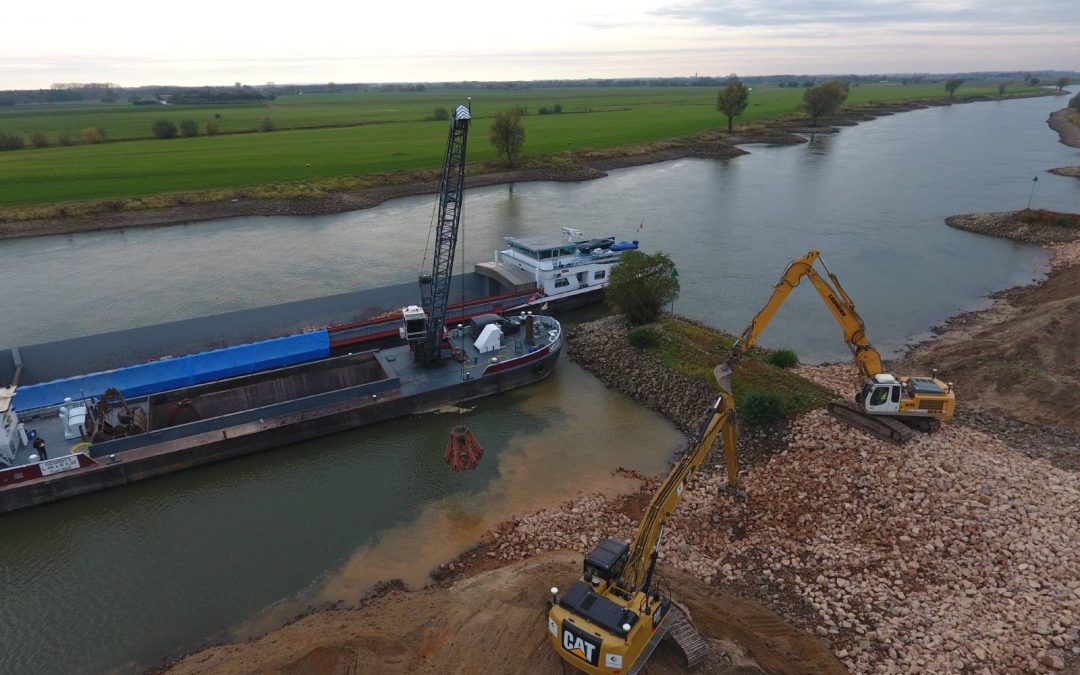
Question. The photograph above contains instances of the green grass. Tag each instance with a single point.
(371, 133)
(694, 350)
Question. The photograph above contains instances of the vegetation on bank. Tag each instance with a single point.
(1047, 217)
(760, 388)
(346, 135)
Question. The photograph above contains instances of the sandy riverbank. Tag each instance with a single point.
(1017, 362)
(312, 199)
(1061, 122)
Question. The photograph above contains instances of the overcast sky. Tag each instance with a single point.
(194, 42)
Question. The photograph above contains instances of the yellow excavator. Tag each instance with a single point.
(887, 406)
(612, 619)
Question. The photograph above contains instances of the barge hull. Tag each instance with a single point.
(286, 428)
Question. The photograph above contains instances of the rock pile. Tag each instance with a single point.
(952, 553)
(600, 347)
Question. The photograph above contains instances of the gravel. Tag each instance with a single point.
(952, 553)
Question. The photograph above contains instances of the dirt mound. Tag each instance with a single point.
(493, 623)
(1018, 359)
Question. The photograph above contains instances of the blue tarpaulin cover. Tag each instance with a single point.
(182, 371)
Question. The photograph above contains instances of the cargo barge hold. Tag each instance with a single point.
(60, 443)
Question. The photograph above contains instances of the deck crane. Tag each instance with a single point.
(886, 406)
(612, 619)
(423, 326)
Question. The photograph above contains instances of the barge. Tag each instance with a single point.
(548, 274)
(58, 442)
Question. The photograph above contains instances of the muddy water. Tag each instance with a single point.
(121, 578)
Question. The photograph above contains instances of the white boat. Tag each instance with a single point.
(567, 272)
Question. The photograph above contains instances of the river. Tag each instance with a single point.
(123, 578)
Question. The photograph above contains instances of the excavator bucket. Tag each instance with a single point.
(463, 452)
(722, 373)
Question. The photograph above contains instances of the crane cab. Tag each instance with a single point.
(413, 323)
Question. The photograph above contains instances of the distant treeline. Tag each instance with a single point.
(108, 92)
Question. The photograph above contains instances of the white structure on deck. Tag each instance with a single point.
(556, 267)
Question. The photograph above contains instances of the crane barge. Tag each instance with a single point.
(89, 432)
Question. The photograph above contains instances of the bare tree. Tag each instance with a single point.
(508, 134)
(1001, 89)
(1062, 82)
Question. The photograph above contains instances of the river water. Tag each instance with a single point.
(131, 575)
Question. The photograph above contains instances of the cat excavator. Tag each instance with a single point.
(886, 406)
(613, 618)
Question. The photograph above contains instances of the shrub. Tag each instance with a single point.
(641, 285)
(783, 358)
(64, 138)
(643, 338)
(1027, 216)
(39, 139)
(189, 128)
(441, 114)
(267, 124)
(163, 129)
(11, 142)
(557, 108)
(544, 110)
(93, 135)
(1074, 102)
(212, 128)
(760, 407)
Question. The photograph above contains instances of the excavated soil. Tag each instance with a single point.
(1019, 359)
(493, 622)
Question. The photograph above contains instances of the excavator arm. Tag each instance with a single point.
(836, 299)
(637, 575)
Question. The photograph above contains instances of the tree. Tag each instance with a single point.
(267, 124)
(11, 142)
(824, 99)
(557, 108)
(39, 139)
(64, 138)
(211, 128)
(189, 128)
(733, 99)
(508, 134)
(952, 85)
(1001, 89)
(1033, 81)
(441, 114)
(641, 285)
(163, 129)
(1062, 82)
(93, 135)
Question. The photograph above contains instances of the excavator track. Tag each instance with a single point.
(885, 428)
(693, 648)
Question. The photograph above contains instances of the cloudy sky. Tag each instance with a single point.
(195, 42)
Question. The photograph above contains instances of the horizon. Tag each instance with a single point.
(205, 44)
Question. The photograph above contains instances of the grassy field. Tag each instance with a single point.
(366, 133)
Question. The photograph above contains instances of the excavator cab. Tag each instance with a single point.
(605, 563)
(881, 395)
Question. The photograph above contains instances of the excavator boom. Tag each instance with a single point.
(836, 299)
(614, 616)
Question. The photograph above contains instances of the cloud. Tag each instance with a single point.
(746, 13)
